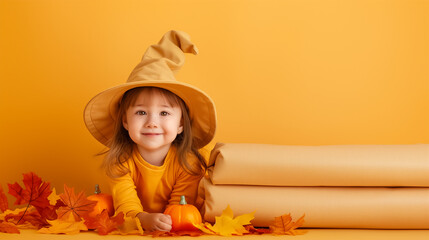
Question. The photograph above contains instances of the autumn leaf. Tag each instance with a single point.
(4, 205)
(91, 222)
(36, 193)
(53, 197)
(283, 225)
(130, 226)
(67, 226)
(27, 218)
(226, 224)
(15, 212)
(256, 231)
(158, 234)
(103, 223)
(204, 227)
(50, 212)
(6, 227)
(76, 205)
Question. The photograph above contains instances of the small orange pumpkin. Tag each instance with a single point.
(183, 216)
(104, 201)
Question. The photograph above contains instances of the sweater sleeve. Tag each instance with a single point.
(125, 198)
(186, 185)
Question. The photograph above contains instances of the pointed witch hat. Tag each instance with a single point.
(156, 69)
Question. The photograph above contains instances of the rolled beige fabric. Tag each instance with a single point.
(340, 165)
(324, 207)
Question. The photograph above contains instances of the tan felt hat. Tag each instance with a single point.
(156, 69)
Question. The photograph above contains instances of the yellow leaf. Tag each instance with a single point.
(53, 197)
(204, 227)
(227, 225)
(139, 225)
(69, 226)
(16, 211)
(131, 226)
(227, 212)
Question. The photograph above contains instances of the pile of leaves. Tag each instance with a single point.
(67, 213)
(51, 213)
(227, 225)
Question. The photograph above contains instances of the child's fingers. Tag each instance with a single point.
(166, 219)
(163, 223)
(163, 227)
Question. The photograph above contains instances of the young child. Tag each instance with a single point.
(154, 127)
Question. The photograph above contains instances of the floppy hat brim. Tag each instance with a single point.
(101, 111)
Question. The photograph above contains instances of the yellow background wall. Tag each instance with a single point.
(299, 72)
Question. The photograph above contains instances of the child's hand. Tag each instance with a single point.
(155, 221)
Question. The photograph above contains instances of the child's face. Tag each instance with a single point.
(152, 122)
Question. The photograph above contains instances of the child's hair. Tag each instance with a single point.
(121, 146)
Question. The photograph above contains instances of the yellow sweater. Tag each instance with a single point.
(149, 188)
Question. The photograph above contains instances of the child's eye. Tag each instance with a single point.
(141, 113)
(164, 113)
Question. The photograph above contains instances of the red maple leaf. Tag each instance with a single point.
(49, 212)
(36, 192)
(103, 223)
(77, 205)
(4, 205)
(28, 215)
(6, 227)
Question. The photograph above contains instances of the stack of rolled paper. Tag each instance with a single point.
(344, 186)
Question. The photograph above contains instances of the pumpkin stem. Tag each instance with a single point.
(97, 189)
(182, 200)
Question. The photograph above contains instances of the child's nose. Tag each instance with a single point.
(151, 121)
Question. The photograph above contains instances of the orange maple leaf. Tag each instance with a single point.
(283, 225)
(103, 223)
(6, 227)
(77, 205)
(256, 231)
(4, 205)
